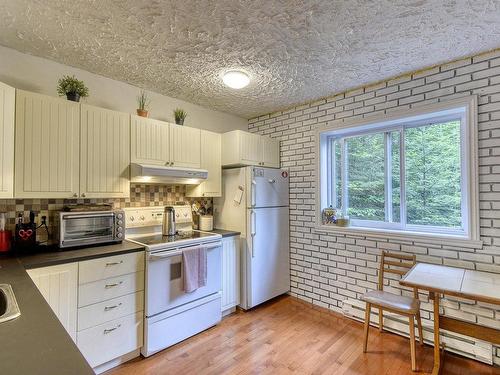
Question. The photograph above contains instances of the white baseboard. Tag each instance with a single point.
(117, 361)
(466, 346)
(228, 311)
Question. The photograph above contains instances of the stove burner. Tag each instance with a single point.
(160, 239)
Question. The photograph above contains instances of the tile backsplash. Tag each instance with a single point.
(140, 195)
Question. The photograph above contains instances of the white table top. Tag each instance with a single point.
(475, 285)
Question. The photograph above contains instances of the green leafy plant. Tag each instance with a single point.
(179, 115)
(71, 85)
(143, 101)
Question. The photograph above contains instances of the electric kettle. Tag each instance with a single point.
(169, 221)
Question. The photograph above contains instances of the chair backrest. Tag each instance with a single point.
(395, 263)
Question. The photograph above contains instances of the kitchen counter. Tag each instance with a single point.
(35, 342)
(55, 256)
(226, 233)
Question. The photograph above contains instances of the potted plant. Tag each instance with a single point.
(72, 88)
(143, 104)
(180, 115)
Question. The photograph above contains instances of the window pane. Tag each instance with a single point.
(396, 174)
(433, 191)
(365, 177)
(338, 174)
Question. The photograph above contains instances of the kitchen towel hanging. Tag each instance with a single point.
(194, 268)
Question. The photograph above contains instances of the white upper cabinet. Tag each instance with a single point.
(150, 141)
(7, 112)
(185, 146)
(241, 148)
(47, 147)
(105, 153)
(270, 152)
(250, 148)
(211, 161)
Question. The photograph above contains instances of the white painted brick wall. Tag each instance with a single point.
(329, 269)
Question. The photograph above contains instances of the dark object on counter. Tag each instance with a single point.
(25, 233)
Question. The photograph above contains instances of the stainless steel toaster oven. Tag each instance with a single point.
(90, 228)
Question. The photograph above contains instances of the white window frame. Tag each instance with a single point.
(464, 109)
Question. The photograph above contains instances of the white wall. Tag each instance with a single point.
(41, 75)
(333, 270)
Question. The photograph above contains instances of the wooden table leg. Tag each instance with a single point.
(437, 343)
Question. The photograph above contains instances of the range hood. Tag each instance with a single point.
(158, 174)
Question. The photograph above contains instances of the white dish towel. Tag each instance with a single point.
(194, 268)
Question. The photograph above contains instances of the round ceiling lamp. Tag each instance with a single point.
(236, 79)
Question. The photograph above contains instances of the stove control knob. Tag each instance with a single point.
(120, 222)
(119, 216)
(131, 218)
(176, 215)
(142, 217)
(119, 229)
(119, 235)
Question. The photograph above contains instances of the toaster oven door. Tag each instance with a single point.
(77, 230)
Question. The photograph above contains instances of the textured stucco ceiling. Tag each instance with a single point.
(295, 51)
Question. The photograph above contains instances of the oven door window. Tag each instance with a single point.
(99, 228)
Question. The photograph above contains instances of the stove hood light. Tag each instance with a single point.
(157, 174)
(236, 79)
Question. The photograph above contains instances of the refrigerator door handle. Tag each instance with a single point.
(254, 193)
(252, 230)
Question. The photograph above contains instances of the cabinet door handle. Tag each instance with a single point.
(107, 308)
(75, 195)
(114, 263)
(83, 195)
(107, 286)
(106, 331)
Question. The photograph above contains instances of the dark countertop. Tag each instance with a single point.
(53, 257)
(35, 343)
(226, 233)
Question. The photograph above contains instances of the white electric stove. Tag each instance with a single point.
(171, 314)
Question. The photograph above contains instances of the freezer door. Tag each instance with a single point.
(268, 255)
(267, 187)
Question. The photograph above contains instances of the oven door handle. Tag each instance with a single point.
(168, 254)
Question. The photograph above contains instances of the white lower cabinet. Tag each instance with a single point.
(111, 309)
(105, 342)
(230, 273)
(59, 286)
(100, 302)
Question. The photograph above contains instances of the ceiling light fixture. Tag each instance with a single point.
(236, 79)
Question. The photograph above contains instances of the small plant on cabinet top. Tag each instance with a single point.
(143, 104)
(72, 88)
(179, 115)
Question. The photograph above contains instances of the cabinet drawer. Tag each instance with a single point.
(111, 340)
(93, 315)
(103, 268)
(104, 290)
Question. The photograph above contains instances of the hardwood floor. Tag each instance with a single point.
(286, 336)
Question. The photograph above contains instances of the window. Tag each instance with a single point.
(409, 173)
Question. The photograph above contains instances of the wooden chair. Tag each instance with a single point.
(397, 264)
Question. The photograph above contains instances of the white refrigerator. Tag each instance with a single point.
(255, 202)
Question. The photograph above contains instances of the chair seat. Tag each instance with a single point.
(403, 304)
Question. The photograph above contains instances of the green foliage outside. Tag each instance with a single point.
(433, 192)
